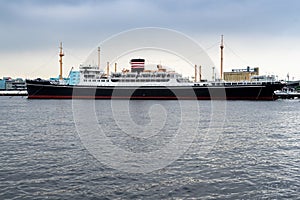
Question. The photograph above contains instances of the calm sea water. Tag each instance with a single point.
(239, 150)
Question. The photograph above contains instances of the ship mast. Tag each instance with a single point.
(107, 69)
(61, 54)
(98, 57)
(221, 47)
(200, 75)
(195, 73)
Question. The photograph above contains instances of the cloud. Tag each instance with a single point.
(42, 23)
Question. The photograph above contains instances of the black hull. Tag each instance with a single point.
(46, 90)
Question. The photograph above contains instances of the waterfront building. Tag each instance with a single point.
(2, 84)
(74, 78)
(7, 83)
(241, 74)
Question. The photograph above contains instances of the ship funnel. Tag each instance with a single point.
(137, 65)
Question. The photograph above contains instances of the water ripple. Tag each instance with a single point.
(256, 157)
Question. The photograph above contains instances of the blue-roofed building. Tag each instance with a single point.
(74, 78)
(2, 84)
(7, 83)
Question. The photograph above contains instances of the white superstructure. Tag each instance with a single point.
(93, 76)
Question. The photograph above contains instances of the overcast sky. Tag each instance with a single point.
(258, 33)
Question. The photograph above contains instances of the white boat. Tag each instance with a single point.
(287, 93)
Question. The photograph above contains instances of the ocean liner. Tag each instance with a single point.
(141, 83)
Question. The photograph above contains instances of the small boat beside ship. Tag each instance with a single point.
(142, 83)
(287, 93)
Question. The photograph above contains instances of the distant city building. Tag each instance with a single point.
(2, 84)
(7, 83)
(241, 74)
(74, 78)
